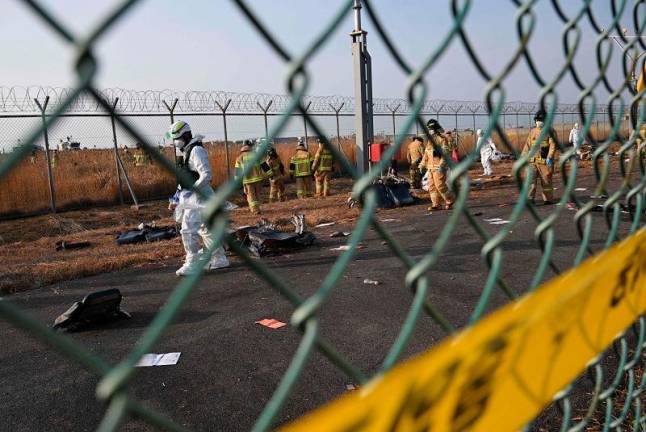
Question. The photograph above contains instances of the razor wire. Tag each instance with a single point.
(18, 99)
(115, 379)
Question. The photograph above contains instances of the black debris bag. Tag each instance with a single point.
(146, 234)
(97, 308)
(265, 240)
(392, 191)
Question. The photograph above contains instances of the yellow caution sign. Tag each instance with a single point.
(501, 373)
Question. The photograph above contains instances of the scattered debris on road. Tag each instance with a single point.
(271, 323)
(167, 359)
(347, 247)
(496, 221)
(264, 239)
(371, 282)
(97, 308)
(339, 234)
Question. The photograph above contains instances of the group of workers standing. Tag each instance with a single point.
(304, 168)
(427, 160)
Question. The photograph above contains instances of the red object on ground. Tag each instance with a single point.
(271, 323)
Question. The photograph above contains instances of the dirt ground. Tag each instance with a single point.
(27, 246)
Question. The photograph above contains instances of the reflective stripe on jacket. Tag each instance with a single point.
(415, 152)
(301, 163)
(255, 173)
(547, 146)
(323, 161)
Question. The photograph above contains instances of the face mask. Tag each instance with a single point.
(539, 124)
(431, 132)
(179, 143)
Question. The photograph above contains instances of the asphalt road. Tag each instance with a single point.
(230, 366)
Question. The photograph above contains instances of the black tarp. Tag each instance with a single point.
(265, 240)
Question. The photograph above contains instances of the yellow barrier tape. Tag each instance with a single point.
(501, 373)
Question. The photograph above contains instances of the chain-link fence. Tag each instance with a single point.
(99, 176)
(622, 396)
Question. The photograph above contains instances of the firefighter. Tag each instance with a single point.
(436, 167)
(414, 156)
(252, 181)
(300, 167)
(277, 180)
(141, 156)
(323, 166)
(541, 164)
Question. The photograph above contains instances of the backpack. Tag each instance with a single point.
(96, 308)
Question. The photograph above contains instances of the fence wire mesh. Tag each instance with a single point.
(115, 379)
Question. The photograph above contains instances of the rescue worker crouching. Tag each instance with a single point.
(277, 180)
(323, 166)
(252, 181)
(541, 164)
(435, 164)
(414, 155)
(300, 167)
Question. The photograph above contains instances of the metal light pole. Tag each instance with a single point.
(362, 92)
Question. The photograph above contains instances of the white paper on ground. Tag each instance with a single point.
(492, 220)
(500, 222)
(321, 225)
(580, 189)
(166, 359)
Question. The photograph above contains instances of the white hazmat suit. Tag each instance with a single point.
(575, 138)
(189, 211)
(487, 151)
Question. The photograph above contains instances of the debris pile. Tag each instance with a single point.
(264, 239)
(146, 233)
(392, 191)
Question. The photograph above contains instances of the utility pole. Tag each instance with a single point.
(362, 92)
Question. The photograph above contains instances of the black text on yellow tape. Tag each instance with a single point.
(502, 372)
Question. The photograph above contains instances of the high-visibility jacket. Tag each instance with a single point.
(277, 168)
(323, 160)
(301, 163)
(547, 146)
(433, 160)
(415, 152)
(255, 174)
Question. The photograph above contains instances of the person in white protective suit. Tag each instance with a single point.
(188, 205)
(487, 152)
(575, 138)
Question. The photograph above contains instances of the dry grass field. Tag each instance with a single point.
(88, 177)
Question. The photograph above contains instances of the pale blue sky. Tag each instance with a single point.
(208, 44)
